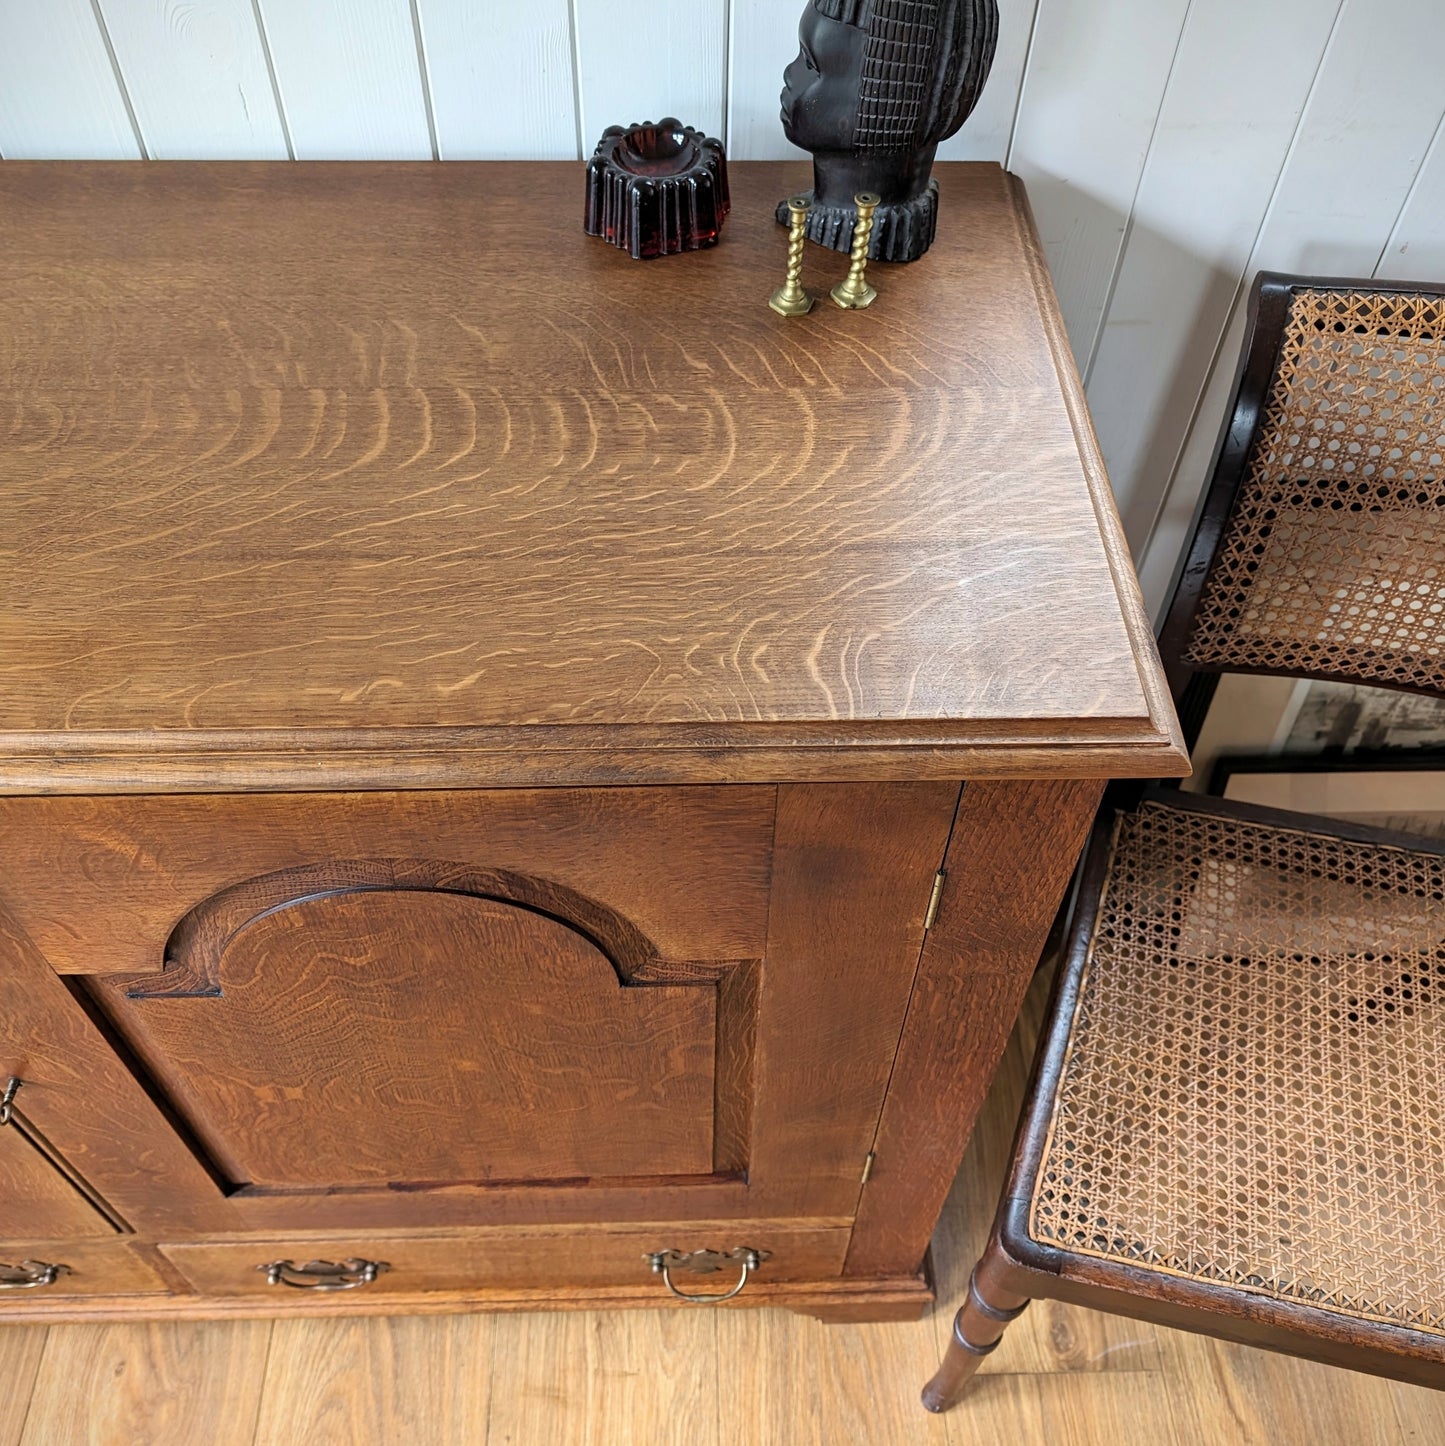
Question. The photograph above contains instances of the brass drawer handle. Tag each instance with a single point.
(323, 1274)
(30, 1275)
(705, 1262)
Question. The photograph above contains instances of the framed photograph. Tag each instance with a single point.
(1402, 791)
(1250, 714)
(1348, 717)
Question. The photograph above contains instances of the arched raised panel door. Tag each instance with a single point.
(371, 1036)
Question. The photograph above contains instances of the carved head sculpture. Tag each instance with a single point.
(876, 86)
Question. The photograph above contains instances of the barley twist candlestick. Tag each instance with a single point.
(853, 292)
(790, 299)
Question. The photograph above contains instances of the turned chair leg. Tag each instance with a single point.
(977, 1329)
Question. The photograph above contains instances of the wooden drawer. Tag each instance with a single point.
(508, 1260)
(93, 1268)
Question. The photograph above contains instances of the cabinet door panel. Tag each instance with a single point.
(388, 1037)
(433, 1011)
(37, 1202)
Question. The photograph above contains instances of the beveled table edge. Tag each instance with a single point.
(378, 759)
(1101, 493)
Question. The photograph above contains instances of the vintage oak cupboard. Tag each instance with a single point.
(514, 760)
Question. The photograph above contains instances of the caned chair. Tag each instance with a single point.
(1236, 1123)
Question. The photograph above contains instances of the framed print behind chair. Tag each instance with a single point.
(1402, 791)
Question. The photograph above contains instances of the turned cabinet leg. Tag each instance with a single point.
(977, 1329)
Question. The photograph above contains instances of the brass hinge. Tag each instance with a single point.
(934, 900)
(867, 1167)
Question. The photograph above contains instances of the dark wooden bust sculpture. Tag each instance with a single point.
(876, 86)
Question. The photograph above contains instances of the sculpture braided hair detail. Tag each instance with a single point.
(924, 65)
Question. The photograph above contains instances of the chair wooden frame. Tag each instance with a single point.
(1016, 1268)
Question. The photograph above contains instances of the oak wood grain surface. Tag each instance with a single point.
(385, 1038)
(164, 1382)
(305, 466)
(98, 883)
(853, 868)
(362, 1043)
(874, 1300)
(342, 1383)
(79, 1095)
(20, 1352)
(1012, 850)
(36, 1200)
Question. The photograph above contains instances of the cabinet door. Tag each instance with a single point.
(493, 1008)
(37, 1201)
(84, 1101)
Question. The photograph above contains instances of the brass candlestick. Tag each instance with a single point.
(853, 292)
(790, 299)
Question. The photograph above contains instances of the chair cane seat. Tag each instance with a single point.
(1253, 1094)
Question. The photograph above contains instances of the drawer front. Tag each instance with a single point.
(91, 1268)
(507, 1260)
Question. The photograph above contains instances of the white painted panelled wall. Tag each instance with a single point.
(1171, 147)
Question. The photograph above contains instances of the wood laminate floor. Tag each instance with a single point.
(695, 1378)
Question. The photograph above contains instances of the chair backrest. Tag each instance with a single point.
(1319, 551)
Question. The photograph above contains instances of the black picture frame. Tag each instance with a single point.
(1413, 805)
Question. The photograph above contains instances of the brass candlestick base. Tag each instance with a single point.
(853, 293)
(790, 299)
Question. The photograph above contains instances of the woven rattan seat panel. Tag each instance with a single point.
(1244, 1112)
(1333, 560)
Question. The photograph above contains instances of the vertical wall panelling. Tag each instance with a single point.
(59, 97)
(349, 78)
(1416, 250)
(1096, 76)
(764, 40)
(1370, 121)
(197, 76)
(502, 86)
(988, 131)
(1375, 109)
(1181, 494)
(641, 60)
(1212, 168)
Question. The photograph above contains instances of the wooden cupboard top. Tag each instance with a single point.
(327, 475)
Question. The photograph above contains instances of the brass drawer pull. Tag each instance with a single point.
(705, 1262)
(323, 1274)
(30, 1275)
